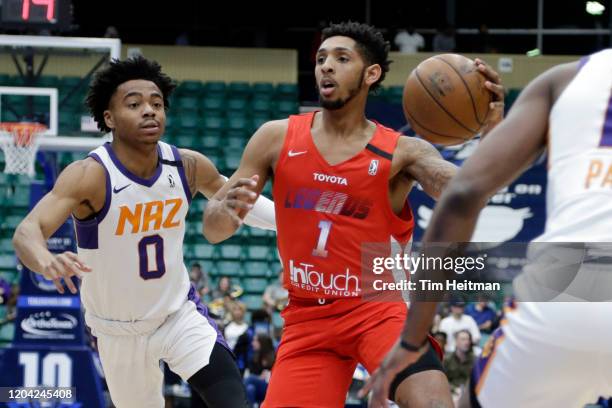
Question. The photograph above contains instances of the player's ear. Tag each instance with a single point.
(109, 120)
(372, 74)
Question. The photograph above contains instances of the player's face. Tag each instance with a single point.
(136, 112)
(339, 72)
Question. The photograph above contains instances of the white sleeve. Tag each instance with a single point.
(262, 214)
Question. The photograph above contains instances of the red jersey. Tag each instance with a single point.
(325, 213)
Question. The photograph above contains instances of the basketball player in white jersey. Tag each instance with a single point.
(548, 354)
(129, 200)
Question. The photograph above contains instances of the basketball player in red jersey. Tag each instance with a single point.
(339, 180)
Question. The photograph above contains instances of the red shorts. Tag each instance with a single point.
(321, 346)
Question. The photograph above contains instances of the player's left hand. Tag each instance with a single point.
(494, 85)
(379, 383)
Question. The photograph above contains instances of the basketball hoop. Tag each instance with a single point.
(19, 142)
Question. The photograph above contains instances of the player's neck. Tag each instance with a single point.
(141, 161)
(345, 123)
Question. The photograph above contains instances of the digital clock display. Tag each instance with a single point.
(36, 13)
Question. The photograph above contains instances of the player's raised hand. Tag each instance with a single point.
(240, 198)
(494, 85)
(64, 266)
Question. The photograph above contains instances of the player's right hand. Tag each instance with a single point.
(64, 266)
(240, 198)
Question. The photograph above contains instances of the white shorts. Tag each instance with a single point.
(131, 362)
(547, 355)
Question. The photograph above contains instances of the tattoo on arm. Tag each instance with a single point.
(189, 163)
(429, 169)
(437, 176)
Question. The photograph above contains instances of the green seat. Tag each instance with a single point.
(277, 320)
(20, 197)
(7, 332)
(259, 119)
(239, 89)
(287, 91)
(11, 221)
(234, 145)
(6, 245)
(258, 253)
(5, 80)
(262, 88)
(237, 104)
(189, 88)
(188, 121)
(231, 162)
(256, 269)
(215, 87)
(229, 268)
(185, 141)
(255, 285)
(211, 143)
(8, 262)
(258, 233)
(204, 251)
(252, 302)
(214, 123)
(229, 251)
(286, 108)
(213, 104)
(187, 103)
(259, 106)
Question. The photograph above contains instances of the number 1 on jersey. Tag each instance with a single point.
(325, 227)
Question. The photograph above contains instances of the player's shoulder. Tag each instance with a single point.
(82, 178)
(275, 128)
(89, 169)
(410, 148)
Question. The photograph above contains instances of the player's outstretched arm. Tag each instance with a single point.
(203, 177)
(500, 158)
(228, 207)
(76, 189)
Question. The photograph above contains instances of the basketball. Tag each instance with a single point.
(445, 99)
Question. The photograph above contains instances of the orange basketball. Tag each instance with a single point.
(445, 100)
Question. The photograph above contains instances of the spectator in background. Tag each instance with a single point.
(237, 326)
(222, 297)
(441, 339)
(259, 368)
(199, 277)
(275, 296)
(484, 315)
(458, 364)
(444, 40)
(261, 323)
(111, 32)
(409, 41)
(482, 40)
(457, 321)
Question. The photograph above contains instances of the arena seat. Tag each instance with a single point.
(255, 285)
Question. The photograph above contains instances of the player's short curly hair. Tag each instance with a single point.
(370, 42)
(107, 80)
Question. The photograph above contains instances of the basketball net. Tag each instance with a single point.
(19, 142)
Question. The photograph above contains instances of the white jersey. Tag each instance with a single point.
(134, 245)
(579, 193)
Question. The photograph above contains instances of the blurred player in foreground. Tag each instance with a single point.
(548, 354)
(129, 200)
